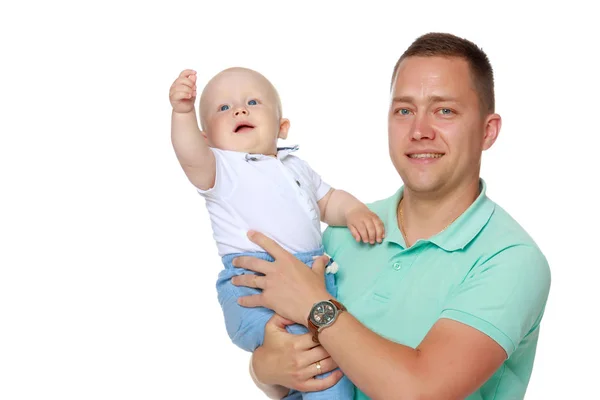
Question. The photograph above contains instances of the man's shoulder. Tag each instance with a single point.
(506, 231)
(382, 207)
(336, 238)
(506, 243)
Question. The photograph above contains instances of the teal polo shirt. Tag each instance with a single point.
(484, 271)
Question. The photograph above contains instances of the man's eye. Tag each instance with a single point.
(252, 102)
(403, 111)
(224, 107)
(446, 111)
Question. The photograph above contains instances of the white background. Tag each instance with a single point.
(107, 265)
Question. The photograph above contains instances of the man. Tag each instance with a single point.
(449, 305)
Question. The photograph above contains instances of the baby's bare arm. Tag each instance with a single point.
(340, 208)
(191, 148)
(334, 206)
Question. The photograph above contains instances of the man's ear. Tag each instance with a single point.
(284, 127)
(493, 124)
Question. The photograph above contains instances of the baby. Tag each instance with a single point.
(250, 183)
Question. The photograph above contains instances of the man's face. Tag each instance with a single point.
(436, 129)
(240, 112)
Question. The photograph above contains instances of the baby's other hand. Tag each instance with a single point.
(182, 94)
(366, 225)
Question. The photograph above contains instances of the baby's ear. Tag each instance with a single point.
(204, 135)
(284, 127)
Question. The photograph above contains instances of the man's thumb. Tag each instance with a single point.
(279, 322)
(319, 265)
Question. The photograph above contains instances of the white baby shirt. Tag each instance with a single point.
(275, 196)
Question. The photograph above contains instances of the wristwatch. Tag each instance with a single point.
(322, 315)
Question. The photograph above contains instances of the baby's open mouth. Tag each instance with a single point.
(241, 128)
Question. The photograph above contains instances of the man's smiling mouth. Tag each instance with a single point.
(426, 155)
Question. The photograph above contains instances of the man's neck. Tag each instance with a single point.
(426, 215)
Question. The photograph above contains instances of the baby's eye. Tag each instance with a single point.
(224, 107)
(252, 102)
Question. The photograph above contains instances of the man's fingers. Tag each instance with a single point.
(317, 385)
(305, 342)
(319, 265)
(327, 365)
(269, 245)
(187, 72)
(315, 354)
(249, 280)
(252, 264)
(256, 300)
(279, 323)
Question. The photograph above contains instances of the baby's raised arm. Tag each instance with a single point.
(191, 148)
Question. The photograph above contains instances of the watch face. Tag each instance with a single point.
(323, 313)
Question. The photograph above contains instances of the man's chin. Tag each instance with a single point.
(423, 185)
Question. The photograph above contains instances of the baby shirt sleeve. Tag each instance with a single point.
(504, 297)
(320, 186)
(224, 176)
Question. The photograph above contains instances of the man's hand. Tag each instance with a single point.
(289, 287)
(291, 360)
(365, 225)
(182, 94)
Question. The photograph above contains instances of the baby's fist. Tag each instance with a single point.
(365, 225)
(182, 94)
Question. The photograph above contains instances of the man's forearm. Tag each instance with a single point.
(381, 368)
(190, 147)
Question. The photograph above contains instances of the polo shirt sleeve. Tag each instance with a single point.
(504, 296)
(224, 177)
(320, 186)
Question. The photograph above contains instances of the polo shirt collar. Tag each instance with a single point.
(462, 231)
(458, 235)
(392, 230)
(282, 153)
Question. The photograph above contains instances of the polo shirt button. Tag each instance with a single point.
(397, 266)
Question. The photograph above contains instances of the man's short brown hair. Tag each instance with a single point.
(447, 45)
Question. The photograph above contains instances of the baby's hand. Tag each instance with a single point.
(365, 224)
(183, 92)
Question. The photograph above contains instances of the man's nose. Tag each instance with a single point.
(422, 129)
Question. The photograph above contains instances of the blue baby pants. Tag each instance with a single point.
(246, 326)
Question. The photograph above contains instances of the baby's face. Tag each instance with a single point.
(240, 111)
